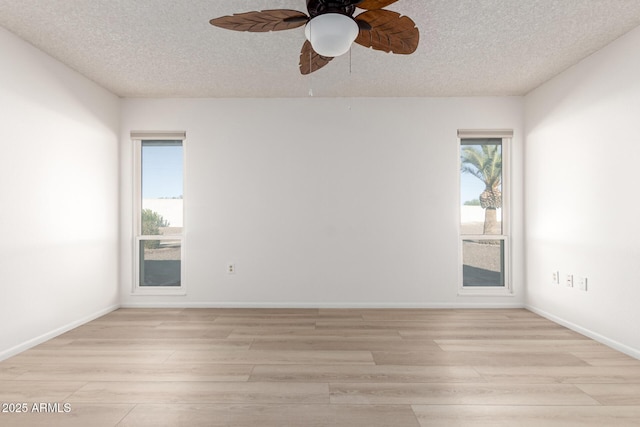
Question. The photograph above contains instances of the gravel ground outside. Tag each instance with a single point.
(481, 259)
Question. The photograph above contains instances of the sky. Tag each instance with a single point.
(470, 187)
(162, 172)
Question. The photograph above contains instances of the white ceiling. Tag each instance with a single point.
(167, 48)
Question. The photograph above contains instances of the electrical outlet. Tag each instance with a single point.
(570, 280)
(556, 277)
(231, 268)
(582, 283)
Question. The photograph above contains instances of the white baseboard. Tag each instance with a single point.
(312, 305)
(633, 352)
(54, 333)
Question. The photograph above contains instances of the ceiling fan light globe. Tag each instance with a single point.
(331, 34)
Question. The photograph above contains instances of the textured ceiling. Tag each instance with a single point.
(167, 48)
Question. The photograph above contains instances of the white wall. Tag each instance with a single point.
(321, 202)
(59, 203)
(582, 206)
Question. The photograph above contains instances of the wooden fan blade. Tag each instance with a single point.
(374, 4)
(262, 21)
(310, 60)
(389, 32)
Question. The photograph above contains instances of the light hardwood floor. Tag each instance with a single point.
(326, 367)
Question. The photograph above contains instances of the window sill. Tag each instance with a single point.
(486, 291)
(158, 291)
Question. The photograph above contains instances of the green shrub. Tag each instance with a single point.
(151, 223)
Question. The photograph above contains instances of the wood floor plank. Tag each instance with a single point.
(181, 325)
(435, 325)
(458, 394)
(527, 416)
(38, 391)
(465, 358)
(613, 394)
(118, 322)
(285, 322)
(497, 334)
(133, 331)
(520, 345)
(259, 312)
(10, 372)
(563, 374)
(141, 316)
(167, 344)
(81, 356)
(277, 415)
(256, 357)
(432, 313)
(133, 372)
(345, 344)
(276, 332)
(143, 313)
(433, 316)
(373, 373)
(201, 392)
(607, 357)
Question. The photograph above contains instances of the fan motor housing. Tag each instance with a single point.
(320, 7)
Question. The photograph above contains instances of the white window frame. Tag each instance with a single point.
(507, 290)
(137, 138)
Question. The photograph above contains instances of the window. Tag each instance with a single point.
(484, 209)
(158, 213)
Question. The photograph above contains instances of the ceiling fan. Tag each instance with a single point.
(331, 28)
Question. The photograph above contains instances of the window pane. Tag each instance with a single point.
(481, 186)
(483, 263)
(160, 262)
(162, 188)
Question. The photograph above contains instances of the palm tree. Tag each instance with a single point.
(486, 165)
